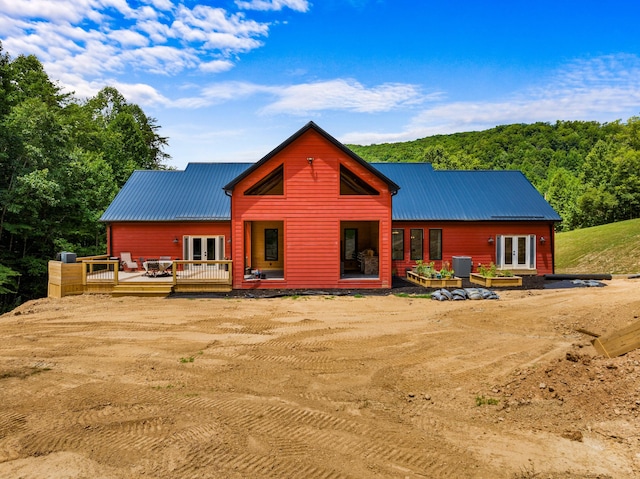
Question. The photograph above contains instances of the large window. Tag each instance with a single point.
(271, 244)
(416, 243)
(435, 244)
(397, 240)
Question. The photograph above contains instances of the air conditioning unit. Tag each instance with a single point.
(461, 266)
(67, 257)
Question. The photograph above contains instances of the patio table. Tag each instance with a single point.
(162, 266)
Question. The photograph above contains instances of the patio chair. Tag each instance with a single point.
(127, 262)
(165, 265)
(153, 267)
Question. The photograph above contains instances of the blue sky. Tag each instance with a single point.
(229, 80)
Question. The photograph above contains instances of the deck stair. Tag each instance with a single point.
(142, 289)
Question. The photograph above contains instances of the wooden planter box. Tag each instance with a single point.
(434, 283)
(496, 281)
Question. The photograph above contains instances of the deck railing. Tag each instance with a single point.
(101, 270)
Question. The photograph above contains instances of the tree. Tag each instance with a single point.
(127, 138)
(626, 184)
(61, 163)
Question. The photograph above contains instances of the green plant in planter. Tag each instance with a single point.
(426, 270)
(492, 271)
(446, 272)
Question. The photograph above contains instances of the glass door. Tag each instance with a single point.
(204, 248)
(518, 252)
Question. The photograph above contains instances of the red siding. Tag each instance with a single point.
(311, 210)
(471, 239)
(150, 240)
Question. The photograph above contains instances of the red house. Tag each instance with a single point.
(312, 214)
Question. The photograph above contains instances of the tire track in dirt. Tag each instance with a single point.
(11, 422)
(298, 428)
(12, 425)
(221, 461)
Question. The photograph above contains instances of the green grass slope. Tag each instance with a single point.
(613, 248)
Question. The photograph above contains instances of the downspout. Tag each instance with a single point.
(553, 247)
(226, 192)
(109, 240)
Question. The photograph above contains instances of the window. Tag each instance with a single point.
(351, 184)
(271, 244)
(272, 184)
(397, 244)
(416, 244)
(435, 244)
(350, 243)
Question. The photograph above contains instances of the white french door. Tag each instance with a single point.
(516, 252)
(203, 248)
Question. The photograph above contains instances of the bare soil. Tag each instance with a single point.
(320, 387)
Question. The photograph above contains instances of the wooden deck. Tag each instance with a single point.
(102, 276)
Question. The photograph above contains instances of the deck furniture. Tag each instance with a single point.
(154, 267)
(127, 262)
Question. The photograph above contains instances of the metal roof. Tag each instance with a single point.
(461, 195)
(196, 194)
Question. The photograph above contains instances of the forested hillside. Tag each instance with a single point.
(589, 172)
(62, 160)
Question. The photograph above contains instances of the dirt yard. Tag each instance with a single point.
(320, 387)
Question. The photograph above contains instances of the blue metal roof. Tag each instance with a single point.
(461, 195)
(196, 194)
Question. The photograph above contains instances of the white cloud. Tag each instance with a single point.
(91, 39)
(51, 10)
(140, 93)
(161, 4)
(216, 66)
(127, 38)
(297, 5)
(584, 89)
(208, 19)
(218, 93)
(306, 98)
(345, 95)
(161, 59)
(598, 89)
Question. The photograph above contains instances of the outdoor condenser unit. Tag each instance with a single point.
(67, 257)
(462, 266)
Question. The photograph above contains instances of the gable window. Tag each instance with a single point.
(351, 184)
(272, 184)
(271, 244)
(416, 244)
(435, 244)
(397, 244)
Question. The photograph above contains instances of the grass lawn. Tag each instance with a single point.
(612, 248)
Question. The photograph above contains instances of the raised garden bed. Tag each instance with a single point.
(495, 281)
(434, 282)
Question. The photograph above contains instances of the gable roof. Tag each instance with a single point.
(201, 191)
(194, 194)
(393, 187)
(197, 194)
(464, 195)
